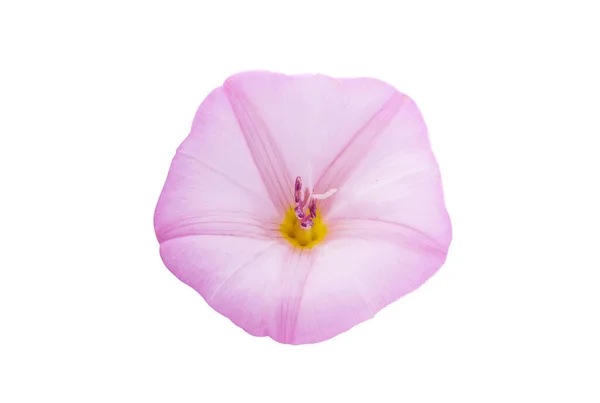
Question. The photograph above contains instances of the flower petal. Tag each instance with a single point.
(258, 284)
(352, 279)
(313, 118)
(359, 145)
(263, 148)
(397, 183)
(213, 186)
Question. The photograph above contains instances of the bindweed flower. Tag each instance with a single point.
(300, 206)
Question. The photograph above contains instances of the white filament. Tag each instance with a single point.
(325, 195)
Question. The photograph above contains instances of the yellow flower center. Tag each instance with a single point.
(300, 237)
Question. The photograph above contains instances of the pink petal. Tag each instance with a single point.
(346, 161)
(268, 290)
(213, 186)
(313, 118)
(262, 146)
(257, 284)
(352, 279)
(397, 182)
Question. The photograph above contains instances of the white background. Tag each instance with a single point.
(95, 99)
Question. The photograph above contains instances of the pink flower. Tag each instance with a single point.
(300, 206)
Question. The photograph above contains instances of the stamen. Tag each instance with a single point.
(299, 212)
(309, 200)
(297, 189)
(307, 224)
(312, 207)
(306, 197)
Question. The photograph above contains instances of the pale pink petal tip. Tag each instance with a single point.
(353, 153)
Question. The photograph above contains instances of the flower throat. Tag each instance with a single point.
(303, 225)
